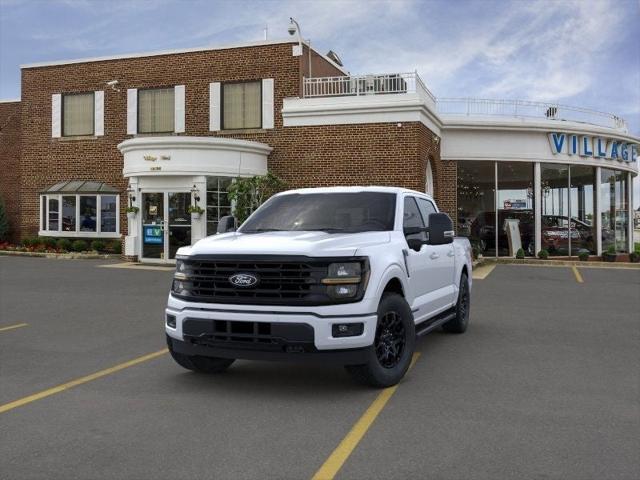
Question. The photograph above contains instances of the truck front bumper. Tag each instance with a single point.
(262, 332)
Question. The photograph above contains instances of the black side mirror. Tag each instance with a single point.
(227, 224)
(440, 229)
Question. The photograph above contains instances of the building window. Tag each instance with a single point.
(477, 204)
(241, 105)
(80, 215)
(156, 110)
(218, 203)
(614, 210)
(78, 114)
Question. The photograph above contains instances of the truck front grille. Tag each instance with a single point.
(280, 281)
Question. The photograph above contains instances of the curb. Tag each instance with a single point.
(564, 263)
(63, 256)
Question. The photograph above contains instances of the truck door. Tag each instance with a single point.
(441, 259)
(421, 281)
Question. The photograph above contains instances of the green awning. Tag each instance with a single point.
(81, 186)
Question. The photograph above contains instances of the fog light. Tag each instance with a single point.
(171, 321)
(342, 291)
(347, 329)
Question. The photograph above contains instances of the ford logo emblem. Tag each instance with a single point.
(244, 280)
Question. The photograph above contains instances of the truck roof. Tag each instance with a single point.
(371, 188)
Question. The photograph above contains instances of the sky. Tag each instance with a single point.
(584, 53)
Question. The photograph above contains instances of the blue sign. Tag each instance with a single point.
(588, 146)
(153, 235)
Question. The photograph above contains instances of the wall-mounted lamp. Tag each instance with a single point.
(196, 196)
(132, 197)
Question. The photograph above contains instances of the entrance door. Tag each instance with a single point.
(166, 225)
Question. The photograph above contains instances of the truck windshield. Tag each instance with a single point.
(328, 212)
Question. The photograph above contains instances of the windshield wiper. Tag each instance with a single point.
(261, 230)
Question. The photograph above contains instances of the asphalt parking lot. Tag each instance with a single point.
(544, 384)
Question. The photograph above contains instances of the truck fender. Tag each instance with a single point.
(393, 271)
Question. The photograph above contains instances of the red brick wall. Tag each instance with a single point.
(383, 154)
(10, 162)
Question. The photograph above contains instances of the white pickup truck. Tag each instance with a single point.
(350, 275)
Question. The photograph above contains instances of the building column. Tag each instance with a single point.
(537, 207)
(630, 211)
(598, 213)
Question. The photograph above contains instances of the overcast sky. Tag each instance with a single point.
(583, 52)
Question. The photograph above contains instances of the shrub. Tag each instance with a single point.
(520, 253)
(611, 250)
(29, 242)
(98, 245)
(115, 247)
(583, 256)
(48, 242)
(543, 254)
(634, 257)
(4, 222)
(79, 246)
(64, 244)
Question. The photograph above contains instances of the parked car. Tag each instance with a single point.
(350, 275)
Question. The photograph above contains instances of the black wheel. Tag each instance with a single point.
(200, 364)
(461, 321)
(390, 354)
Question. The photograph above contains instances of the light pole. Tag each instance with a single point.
(294, 28)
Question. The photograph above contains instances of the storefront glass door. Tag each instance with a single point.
(166, 224)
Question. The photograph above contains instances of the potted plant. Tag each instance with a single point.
(583, 256)
(543, 254)
(610, 255)
(195, 211)
(520, 254)
(131, 212)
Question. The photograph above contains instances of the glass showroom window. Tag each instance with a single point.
(582, 204)
(77, 114)
(156, 110)
(241, 105)
(614, 210)
(218, 203)
(80, 215)
(515, 207)
(554, 180)
(477, 204)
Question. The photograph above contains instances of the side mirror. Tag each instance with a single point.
(226, 224)
(440, 229)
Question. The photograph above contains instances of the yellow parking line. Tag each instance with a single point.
(334, 463)
(577, 274)
(11, 327)
(481, 272)
(79, 381)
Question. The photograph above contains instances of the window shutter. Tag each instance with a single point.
(56, 115)
(267, 103)
(178, 99)
(214, 106)
(98, 111)
(132, 111)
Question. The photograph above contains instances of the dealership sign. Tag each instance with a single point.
(589, 146)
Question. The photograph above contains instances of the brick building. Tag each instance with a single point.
(161, 131)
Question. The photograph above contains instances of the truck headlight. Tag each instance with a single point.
(343, 279)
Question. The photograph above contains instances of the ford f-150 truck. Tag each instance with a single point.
(350, 275)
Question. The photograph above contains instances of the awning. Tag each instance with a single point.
(81, 186)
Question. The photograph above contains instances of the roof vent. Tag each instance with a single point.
(333, 56)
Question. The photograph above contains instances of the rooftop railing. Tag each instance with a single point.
(401, 83)
(357, 85)
(528, 109)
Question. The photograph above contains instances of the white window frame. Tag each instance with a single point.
(94, 116)
(78, 233)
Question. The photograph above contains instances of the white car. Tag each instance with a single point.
(349, 275)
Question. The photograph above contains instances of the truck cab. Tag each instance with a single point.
(348, 275)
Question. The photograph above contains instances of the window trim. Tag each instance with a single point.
(93, 116)
(163, 132)
(78, 233)
(222, 86)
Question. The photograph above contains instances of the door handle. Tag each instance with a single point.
(451, 253)
(434, 255)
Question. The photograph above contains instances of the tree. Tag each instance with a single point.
(248, 193)
(4, 222)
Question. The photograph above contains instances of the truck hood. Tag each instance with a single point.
(313, 244)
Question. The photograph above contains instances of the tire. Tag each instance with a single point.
(200, 364)
(460, 323)
(394, 342)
